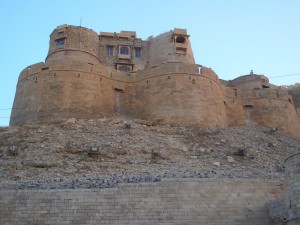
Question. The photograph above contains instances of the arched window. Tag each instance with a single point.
(180, 39)
(124, 68)
(124, 50)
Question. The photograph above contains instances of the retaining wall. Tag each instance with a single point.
(292, 189)
(178, 201)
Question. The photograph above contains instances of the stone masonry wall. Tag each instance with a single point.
(132, 43)
(171, 93)
(64, 89)
(176, 94)
(83, 43)
(170, 90)
(162, 49)
(184, 202)
(267, 107)
(292, 187)
(295, 93)
(248, 82)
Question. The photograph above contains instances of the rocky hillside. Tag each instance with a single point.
(101, 153)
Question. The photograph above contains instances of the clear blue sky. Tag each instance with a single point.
(230, 36)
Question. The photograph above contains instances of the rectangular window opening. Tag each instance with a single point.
(110, 50)
(138, 52)
(60, 42)
(200, 70)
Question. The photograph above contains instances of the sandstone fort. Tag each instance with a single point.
(90, 75)
(112, 129)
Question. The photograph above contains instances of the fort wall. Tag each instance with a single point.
(176, 94)
(267, 107)
(248, 82)
(27, 98)
(172, 201)
(163, 85)
(159, 94)
(171, 93)
(292, 186)
(295, 93)
(64, 90)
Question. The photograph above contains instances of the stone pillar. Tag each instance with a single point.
(292, 189)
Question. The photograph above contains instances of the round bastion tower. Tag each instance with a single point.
(71, 82)
(173, 90)
(71, 43)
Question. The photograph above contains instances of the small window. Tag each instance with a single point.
(200, 70)
(124, 50)
(60, 42)
(138, 52)
(181, 51)
(110, 50)
(124, 68)
(180, 39)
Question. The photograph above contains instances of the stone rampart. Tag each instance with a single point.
(168, 89)
(65, 89)
(266, 106)
(247, 82)
(295, 93)
(178, 201)
(170, 93)
(176, 94)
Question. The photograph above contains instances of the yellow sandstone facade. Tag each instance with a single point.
(87, 75)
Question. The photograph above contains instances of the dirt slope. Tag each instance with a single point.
(57, 155)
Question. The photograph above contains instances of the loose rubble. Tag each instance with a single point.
(102, 153)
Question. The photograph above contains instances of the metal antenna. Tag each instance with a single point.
(80, 21)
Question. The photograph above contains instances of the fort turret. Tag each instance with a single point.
(172, 46)
(73, 43)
